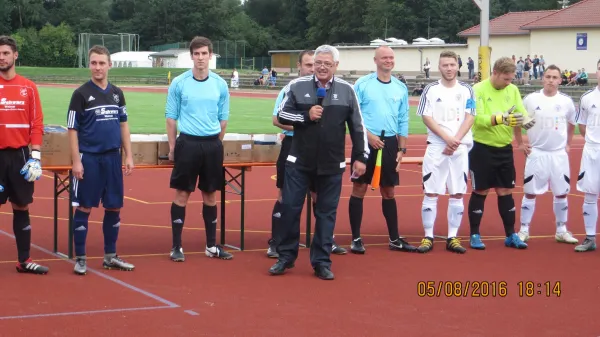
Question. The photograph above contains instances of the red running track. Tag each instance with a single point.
(374, 294)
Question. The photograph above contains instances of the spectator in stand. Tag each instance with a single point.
(471, 67)
(542, 66)
(583, 77)
(536, 64)
(520, 68)
(273, 77)
(573, 76)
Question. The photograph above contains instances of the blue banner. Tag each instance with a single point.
(581, 41)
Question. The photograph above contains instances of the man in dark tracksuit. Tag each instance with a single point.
(317, 156)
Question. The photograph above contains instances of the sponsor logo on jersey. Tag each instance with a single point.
(105, 111)
(5, 101)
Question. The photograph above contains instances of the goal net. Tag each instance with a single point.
(113, 42)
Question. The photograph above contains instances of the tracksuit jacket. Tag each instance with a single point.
(318, 146)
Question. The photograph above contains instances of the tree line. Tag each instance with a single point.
(47, 30)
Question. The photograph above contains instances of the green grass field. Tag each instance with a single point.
(147, 112)
(117, 72)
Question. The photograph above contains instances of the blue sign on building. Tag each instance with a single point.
(581, 41)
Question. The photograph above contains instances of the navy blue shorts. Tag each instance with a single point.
(102, 180)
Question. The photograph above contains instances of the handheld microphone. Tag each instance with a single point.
(321, 92)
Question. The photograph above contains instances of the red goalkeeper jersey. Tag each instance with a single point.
(21, 116)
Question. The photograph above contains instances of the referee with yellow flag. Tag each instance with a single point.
(384, 105)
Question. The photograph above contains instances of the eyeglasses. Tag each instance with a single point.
(318, 64)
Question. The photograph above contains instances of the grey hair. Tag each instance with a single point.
(327, 49)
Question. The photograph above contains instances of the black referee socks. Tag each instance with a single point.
(355, 208)
(177, 220)
(476, 205)
(275, 219)
(506, 207)
(22, 231)
(390, 212)
(209, 213)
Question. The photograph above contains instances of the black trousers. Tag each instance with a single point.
(328, 189)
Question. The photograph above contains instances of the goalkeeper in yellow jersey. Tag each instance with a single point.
(491, 163)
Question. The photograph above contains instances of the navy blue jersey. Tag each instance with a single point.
(97, 115)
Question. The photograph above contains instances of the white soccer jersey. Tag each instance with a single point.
(551, 116)
(447, 107)
(589, 115)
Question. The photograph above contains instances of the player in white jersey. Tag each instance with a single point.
(588, 180)
(447, 107)
(547, 164)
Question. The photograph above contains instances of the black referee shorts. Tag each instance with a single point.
(389, 176)
(198, 158)
(286, 146)
(14, 186)
(492, 167)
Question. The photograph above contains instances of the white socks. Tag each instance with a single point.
(527, 209)
(590, 214)
(455, 214)
(561, 211)
(429, 213)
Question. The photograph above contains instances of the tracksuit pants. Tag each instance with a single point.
(328, 189)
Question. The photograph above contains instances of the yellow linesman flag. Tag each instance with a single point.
(377, 173)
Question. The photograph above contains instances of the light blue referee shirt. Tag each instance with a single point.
(277, 103)
(198, 106)
(384, 105)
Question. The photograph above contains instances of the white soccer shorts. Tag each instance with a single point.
(441, 171)
(547, 169)
(588, 180)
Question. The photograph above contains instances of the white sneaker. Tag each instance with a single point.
(566, 237)
(524, 236)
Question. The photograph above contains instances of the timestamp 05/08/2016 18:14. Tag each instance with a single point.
(488, 289)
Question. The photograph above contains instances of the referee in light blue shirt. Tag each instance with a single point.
(197, 104)
(306, 67)
(384, 105)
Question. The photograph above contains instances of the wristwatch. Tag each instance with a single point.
(402, 149)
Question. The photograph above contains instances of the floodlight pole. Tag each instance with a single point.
(483, 71)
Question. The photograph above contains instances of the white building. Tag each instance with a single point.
(410, 58)
(178, 58)
(568, 38)
(132, 59)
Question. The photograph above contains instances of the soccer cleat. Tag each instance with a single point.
(31, 267)
(116, 262)
(476, 242)
(524, 236)
(453, 245)
(402, 245)
(514, 241)
(272, 251)
(426, 245)
(177, 254)
(588, 245)
(565, 237)
(80, 265)
(218, 252)
(337, 250)
(357, 246)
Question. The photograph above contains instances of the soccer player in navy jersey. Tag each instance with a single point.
(98, 128)
(197, 105)
(383, 101)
